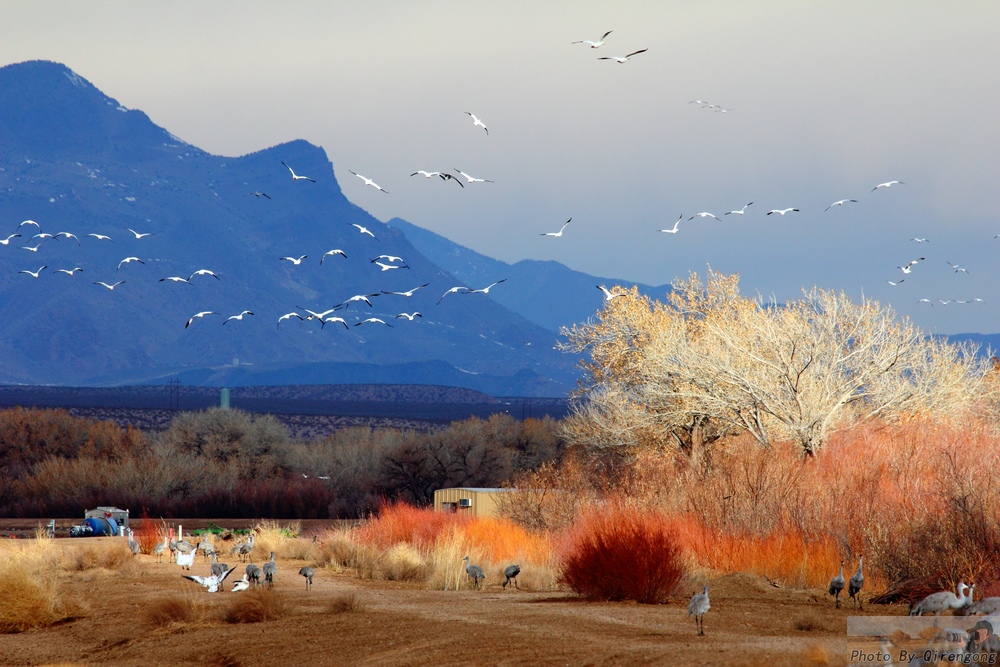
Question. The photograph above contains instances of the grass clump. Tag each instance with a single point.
(167, 611)
(345, 603)
(257, 607)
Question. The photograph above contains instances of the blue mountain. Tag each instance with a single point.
(74, 160)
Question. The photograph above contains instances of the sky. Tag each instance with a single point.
(824, 101)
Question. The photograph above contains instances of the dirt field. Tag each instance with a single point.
(750, 623)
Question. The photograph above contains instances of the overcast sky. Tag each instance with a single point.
(826, 100)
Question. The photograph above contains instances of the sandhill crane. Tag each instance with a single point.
(986, 606)
(212, 583)
(475, 573)
(511, 572)
(697, 607)
(307, 572)
(217, 568)
(856, 583)
(132, 544)
(160, 547)
(837, 584)
(254, 573)
(206, 548)
(270, 567)
(936, 603)
(246, 548)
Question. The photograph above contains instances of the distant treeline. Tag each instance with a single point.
(233, 464)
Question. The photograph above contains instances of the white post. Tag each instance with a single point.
(180, 532)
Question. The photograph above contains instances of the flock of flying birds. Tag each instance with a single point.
(388, 262)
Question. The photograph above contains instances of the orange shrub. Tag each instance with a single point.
(621, 554)
(400, 522)
(146, 533)
(503, 540)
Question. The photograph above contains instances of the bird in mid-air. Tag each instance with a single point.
(840, 202)
(101, 237)
(294, 260)
(369, 181)
(204, 272)
(33, 274)
(110, 287)
(705, 214)
(199, 315)
(623, 59)
(296, 177)
(608, 295)
(477, 122)
(739, 212)
(782, 211)
(335, 251)
(7, 240)
(473, 179)
(595, 43)
(409, 316)
(129, 260)
(407, 293)
(909, 265)
(674, 229)
(485, 290)
(139, 235)
(363, 230)
(560, 232)
(238, 317)
(258, 195)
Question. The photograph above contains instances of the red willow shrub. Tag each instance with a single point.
(620, 554)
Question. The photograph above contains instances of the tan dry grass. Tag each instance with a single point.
(31, 600)
(257, 607)
(346, 603)
(273, 536)
(404, 563)
(168, 611)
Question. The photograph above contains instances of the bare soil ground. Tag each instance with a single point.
(750, 623)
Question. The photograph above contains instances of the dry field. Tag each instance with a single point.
(125, 611)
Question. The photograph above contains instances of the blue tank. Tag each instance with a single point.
(102, 527)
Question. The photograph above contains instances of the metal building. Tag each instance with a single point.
(470, 500)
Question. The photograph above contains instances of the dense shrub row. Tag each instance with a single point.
(228, 463)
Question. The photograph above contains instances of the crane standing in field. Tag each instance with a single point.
(308, 573)
(697, 607)
(511, 572)
(936, 603)
(160, 547)
(475, 573)
(837, 584)
(133, 546)
(254, 573)
(270, 567)
(856, 583)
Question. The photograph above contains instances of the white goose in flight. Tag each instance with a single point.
(782, 211)
(33, 274)
(357, 297)
(175, 279)
(887, 185)
(739, 212)
(296, 177)
(333, 318)
(363, 230)
(409, 316)
(705, 214)
(101, 237)
(369, 181)
(486, 290)
(7, 240)
(335, 251)
(623, 59)
(476, 122)
(560, 232)
(596, 43)
(608, 295)
(129, 260)
(407, 293)
(110, 287)
(69, 272)
(453, 290)
(141, 235)
(204, 272)
(294, 260)
(373, 320)
(198, 316)
(675, 227)
(237, 317)
(840, 202)
(473, 179)
(288, 316)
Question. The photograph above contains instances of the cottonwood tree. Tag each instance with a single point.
(792, 372)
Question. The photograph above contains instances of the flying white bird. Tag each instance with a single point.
(705, 214)
(101, 237)
(388, 258)
(389, 267)
(896, 283)
(29, 222)
(68, 235)
(739, 212)
(32, 248)
(363, 230)
(445, 176)
(976, 299)
(608, 296)
(294, 260)
(909, 265)
(288, 316)
(313, 315)
(355, 298)
(238, 317)
(372, 320)
(453, 290)
(407, 293)
(204, 272)
(920, 240)
(43, 236)
(296, 177)
(622, 59)
(199, 315)
(175, 279)
(476, 122)
(426, 174)
(333, 318)
(594, 44)
(919, 301)
(409, 316)
(129, 260)
(33, 274)
(473, 179)
(957, 268)
(486, 290)
(369, 181)
(140, 235)
(782, 211)
(110, 287)
(211, 583)
(7, 240)
(560, 232)
(674, 229)
(335, 251)
(839, 203)
(69, 272)
(887, 185)
(258, 195)
(943, 302)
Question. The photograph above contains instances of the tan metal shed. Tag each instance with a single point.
(470, 500)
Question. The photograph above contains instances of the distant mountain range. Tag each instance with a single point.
(74, 160)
